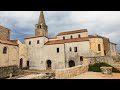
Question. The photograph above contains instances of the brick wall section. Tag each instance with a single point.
(70, 72)
(5, 71)
(4, 33)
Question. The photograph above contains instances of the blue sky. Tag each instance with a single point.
(22, 23)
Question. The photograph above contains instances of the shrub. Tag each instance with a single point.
(96, 67)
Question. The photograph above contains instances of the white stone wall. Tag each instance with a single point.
(38, 54)
(82, 50)
(9, 59)
(84, 34)
(22, 54)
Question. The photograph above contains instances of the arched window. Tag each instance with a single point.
(71, 36)
(63, 37)
(79, 36)
(99, 48)
(5, 50)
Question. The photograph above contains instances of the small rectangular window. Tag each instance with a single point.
(75, 49)
(63, 38)
(29, 42)
(70, 49)
(81, 58)
(57, 50)
(38, 41)
(99, 48)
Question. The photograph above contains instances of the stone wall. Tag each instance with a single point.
(4, 33)
(5, 71)
(70, 72)
(105, 59)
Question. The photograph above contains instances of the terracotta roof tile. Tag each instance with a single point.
(32, 37)
(67, 41)
(53, 37)
(7, 42)
(72, 32)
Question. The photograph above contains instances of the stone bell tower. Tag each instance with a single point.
(41, 27)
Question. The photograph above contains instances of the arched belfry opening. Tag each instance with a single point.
(49, 64)
(71, 63)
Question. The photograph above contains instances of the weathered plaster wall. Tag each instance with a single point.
(11, 57)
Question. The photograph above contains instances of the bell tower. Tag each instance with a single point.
(41, 27)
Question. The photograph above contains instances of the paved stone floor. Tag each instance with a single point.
(96, 75)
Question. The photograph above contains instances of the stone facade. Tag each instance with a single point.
(5, 71)
(94, 46)
(22, 54)
(105, 59)
(10, 57)
(83, 51)
(113, 49)
(107, 48)
(65, 50)
(4, 33)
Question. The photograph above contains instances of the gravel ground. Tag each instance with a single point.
(96, 75)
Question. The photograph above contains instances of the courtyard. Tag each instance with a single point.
(96, 75)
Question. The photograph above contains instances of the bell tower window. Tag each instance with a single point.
(40, 26)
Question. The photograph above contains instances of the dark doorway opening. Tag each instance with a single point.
(27, 64)
(81, 58)
(21, 63)
(71, 63)
(49, 64)
(105, 52)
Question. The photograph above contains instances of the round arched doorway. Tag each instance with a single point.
(21, 63)
(49, 64)
(71, 63)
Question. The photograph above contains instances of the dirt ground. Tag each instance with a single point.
(96, 75)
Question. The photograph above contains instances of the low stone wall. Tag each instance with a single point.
(5, 71)
(70, 72)
(105, 59)
(33, 76)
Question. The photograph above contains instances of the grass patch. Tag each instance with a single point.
(96, 67)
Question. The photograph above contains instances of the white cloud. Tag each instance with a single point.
(106, 23)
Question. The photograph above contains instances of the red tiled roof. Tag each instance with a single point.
(72, 32)
(67, 41)
(33, 37)
(7, 42)
(53, 37)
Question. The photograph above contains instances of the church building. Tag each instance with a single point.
(67, 49)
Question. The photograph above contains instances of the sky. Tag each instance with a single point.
(104, 23)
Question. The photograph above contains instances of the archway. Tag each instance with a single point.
(71, 63)
(49, 64)
(21, 63)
